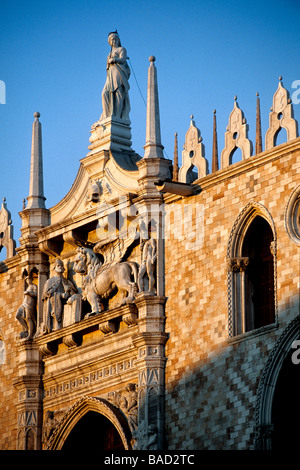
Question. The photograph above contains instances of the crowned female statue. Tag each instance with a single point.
(115, 97)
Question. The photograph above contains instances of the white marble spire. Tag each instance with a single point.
(153, 147)
(36, 199)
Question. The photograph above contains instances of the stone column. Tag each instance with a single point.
(150, 342)
(151, 337)
(263, 436)
(29, 404)
(236, 271)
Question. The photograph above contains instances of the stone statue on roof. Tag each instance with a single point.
(115, 97)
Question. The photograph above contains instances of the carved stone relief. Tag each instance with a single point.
(57, 293)
(109, 281)
(51, 420)
(237, 264)
(26, 313)
(99, 191)
(27, 434)
(127, 401)
(93, 192)
(146, 437)
(100, 279)
(146, 277)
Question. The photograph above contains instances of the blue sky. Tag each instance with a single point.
(53, 59)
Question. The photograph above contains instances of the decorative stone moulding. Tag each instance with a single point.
(79, 409)
(236, 136)
(292, 216)
(111, 133)
(107, 322)
(237, 264)
(193, 155)
(281, 117)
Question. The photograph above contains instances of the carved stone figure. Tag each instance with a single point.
(93, 193)
(26, 313)
(127, 401)
(148, 266)
(145, 438)
(115, 98)
(152, 438)
(132, 406)
(56, 292)
(51, 419)
(101, 279)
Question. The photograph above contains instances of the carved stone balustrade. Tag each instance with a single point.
(107, 322)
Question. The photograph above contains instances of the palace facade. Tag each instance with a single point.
(156, 307)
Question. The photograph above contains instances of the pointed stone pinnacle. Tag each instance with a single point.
(215, 159)
(153, 147)
(36, 199)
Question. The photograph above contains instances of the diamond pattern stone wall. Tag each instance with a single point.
(212, 378)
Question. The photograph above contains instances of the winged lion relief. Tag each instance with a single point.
(104, 272)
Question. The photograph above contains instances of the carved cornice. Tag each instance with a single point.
(25, 381)
(71, 335)
(150, 339)
(102, 373)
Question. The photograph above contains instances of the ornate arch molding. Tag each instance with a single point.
(267, 384)
(242, 223)
(237, 264)
(78, 410)
(292, 216)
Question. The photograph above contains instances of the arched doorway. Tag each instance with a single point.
(286, 406)
(91, 423)
(93, 431)
(277, 411)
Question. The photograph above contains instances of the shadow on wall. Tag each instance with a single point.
(242, 396)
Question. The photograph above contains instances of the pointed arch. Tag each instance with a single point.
(238, 276)
(242, 223)
(267, 385)
(78, 410)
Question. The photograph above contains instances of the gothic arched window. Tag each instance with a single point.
(251, 275)
(259, 275)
